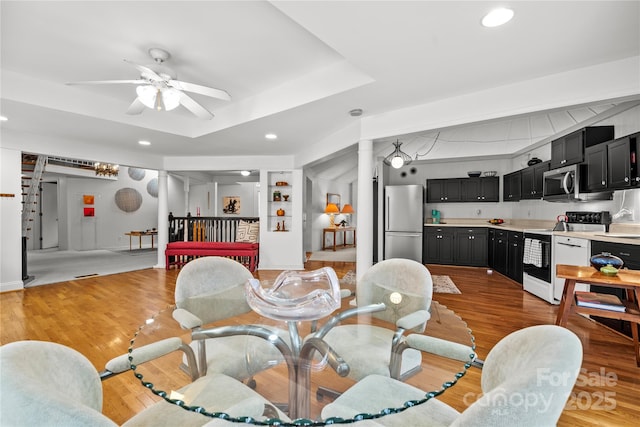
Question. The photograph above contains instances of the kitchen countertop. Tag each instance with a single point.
(615, 235)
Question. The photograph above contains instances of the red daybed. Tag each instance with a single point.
(182, 252)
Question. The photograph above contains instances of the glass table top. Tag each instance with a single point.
(293, 384)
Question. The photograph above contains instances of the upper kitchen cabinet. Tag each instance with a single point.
(512, 187)
(443, 190)
(532, 181)
(595, 160)
(622, 162)
(614, 165)
(480, 189)
(569, 149)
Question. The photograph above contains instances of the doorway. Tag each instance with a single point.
(48, 215)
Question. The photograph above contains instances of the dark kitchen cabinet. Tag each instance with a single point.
(515, 254)
(630, 254)
(595, 160)
(443, 190)
(622, 164)
(491, 238)
(512, 187)
(500, 251)
(438, 245)
(569, 149)
(532, 180)
(471, 246)
(480, 189)
(613, 165)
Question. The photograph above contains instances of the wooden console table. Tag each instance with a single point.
(335, 230)
(625, 279)
(139, 234)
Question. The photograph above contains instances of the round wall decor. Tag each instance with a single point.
(128, 199)
(152, 187)
(136, 174)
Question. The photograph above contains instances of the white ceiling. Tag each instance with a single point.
(295, 68)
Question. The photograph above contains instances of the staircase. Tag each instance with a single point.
(33, 167)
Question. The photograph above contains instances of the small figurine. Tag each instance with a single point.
(278, 227)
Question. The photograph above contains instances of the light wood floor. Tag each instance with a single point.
(97, 316)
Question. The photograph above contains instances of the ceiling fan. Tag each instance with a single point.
(158, 88)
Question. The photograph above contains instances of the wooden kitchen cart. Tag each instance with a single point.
(625, 279)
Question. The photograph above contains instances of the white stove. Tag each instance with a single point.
(544, 249)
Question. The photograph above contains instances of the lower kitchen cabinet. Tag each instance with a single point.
(499, 251)
(515, 254)
(630, 255)
(438, 245)
(455, 246)
(471, 247)
(506, 249)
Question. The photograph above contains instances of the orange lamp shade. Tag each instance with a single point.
(331, 209)
(347, 209)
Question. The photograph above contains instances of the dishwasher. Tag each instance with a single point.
(571, 251)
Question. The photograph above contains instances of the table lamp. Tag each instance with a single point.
(347, 209)
(331, 209)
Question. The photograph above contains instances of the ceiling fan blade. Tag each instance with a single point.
(109, 82)
(136, 107)
(197, 109)
(202, 90)
(146, 71)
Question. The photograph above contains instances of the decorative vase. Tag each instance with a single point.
(280, 212)
(604, 259)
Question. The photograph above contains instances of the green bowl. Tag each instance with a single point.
(609, 270)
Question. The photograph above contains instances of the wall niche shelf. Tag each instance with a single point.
(279, 198)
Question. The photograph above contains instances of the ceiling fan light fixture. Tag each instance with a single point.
(397, 158)
(147, 95)
(171, 99)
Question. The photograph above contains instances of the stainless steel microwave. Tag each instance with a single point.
(567, 185)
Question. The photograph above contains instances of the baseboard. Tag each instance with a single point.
(16, 285)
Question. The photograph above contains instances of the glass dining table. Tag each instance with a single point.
(294, 383)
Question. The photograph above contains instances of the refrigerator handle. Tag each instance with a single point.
(387, 213)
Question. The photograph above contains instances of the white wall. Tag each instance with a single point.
(209, 198)
(106, 229)
(317, 219)
(10, 219)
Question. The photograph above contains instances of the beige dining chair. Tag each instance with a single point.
(526, 381)
(405, 288)
(211, 289)
(49, 384)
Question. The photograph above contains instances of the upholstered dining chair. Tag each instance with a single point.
(405, 288)
(211, 289)
(526, 381)
(49, 384)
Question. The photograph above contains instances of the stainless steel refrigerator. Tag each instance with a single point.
(403, 221)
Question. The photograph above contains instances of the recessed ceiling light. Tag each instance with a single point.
(142, 142)
(356, 112)
(271, 136)
(245, 173)
(3, 119)
(497, 17)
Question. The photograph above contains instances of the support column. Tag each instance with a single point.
(186, 186)
(364, 230)
(163, 217)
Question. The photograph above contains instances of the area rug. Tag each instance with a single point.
(340, 255)
(444, 285)
(441, 284)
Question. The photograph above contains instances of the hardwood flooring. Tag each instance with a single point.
(98, 315)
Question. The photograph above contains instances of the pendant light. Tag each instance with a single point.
(397, 158)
